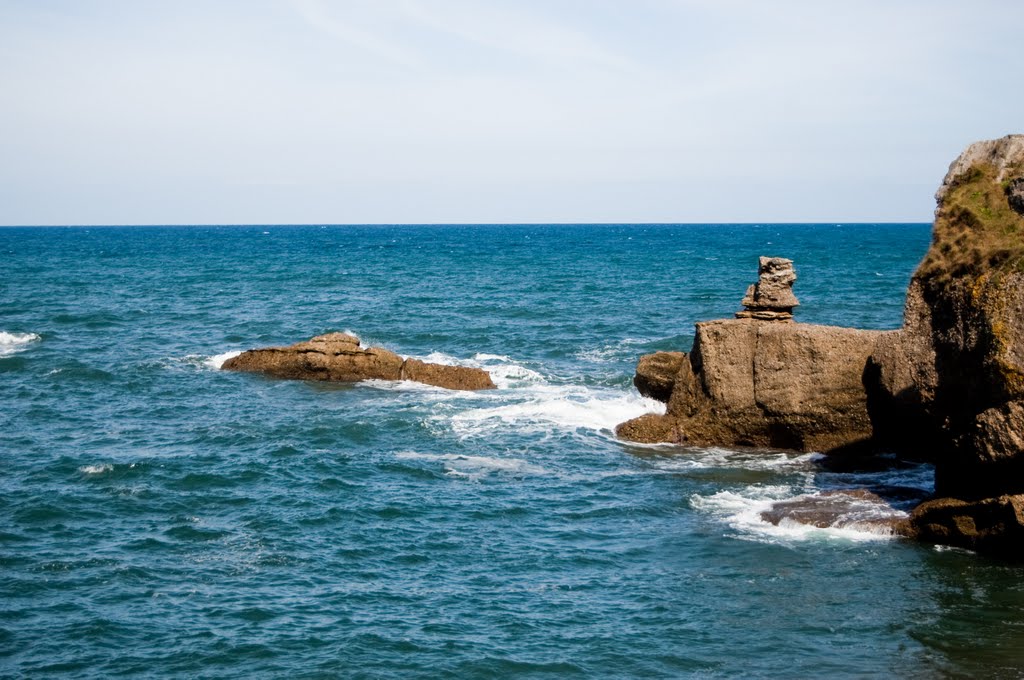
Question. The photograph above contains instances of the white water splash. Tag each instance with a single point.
(742, 510)
(97, 469)
(623, 349)
(709, 458)
(542, 408)
(12, 343)
(217, 360)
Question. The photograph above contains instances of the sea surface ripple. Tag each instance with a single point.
(159, 517)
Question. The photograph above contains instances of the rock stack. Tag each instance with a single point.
(771, 298)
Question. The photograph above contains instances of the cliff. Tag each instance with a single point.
(954, 374)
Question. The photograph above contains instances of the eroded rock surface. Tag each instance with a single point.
(656, 374)
(991, 525)
(840, 509)
(952, 379)
(771, 298)
(754, 383)
(340, 357)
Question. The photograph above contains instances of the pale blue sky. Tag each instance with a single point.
(381, 111)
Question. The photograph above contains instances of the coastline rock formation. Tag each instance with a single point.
(753, 381)
(339, 357)
(952, 378)
(948, 386)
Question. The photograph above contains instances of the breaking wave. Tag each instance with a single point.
(12, 343)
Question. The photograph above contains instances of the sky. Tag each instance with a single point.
(496, 111)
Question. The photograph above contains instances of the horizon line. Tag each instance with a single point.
(455, 224)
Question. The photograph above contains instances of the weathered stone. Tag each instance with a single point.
(339, 357)
(747, 383)
(951, 381)
(764, 315)
(1015, 195)
(992, 525)
(846, 508)
(773, 291)
(656, 373)
(449, 377)
(652, 428)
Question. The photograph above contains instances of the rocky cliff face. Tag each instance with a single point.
(953, 377)
(339, 357)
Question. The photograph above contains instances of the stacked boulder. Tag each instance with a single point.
(771, 298)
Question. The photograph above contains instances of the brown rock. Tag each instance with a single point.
(339, 357)
(656, 373)
(992, 525)
(449, 377)
(950, 383)
(773, 291)
(651, 428)
(1015, 195)
(747, 383)
(846, 508)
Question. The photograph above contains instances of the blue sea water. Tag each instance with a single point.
(159, 517)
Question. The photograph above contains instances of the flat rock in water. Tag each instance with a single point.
(339, 357)
(848, 508)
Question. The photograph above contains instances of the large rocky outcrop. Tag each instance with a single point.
(952, 378)
(340, 357)
(947, 386)
(760, 383)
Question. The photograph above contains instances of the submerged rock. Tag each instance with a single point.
(840, 509)
(340, 357)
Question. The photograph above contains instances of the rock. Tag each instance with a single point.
(847, 508)
(951, 381)
(771, 298)
(748, 383)
(652, 428)
(992, 525)
(449, 377)
(1015, 195)
(339, 357)
(656, 373)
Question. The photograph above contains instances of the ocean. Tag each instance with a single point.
(159, 517)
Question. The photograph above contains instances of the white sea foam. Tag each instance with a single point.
(613, 352)
(217, 360)
(742, 510)
(701, 459)
(12, 343)
(475, 467)
(543, 408)
(505, 372)
(97, 469)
